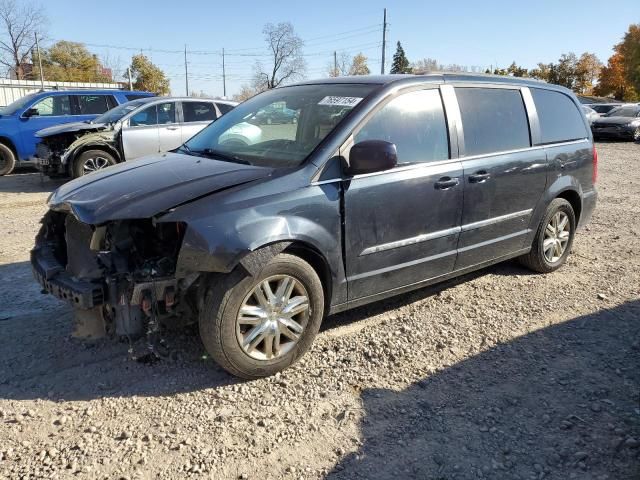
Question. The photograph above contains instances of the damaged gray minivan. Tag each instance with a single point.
(382, 185)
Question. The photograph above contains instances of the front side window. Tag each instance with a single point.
(198, 112)
(493, 120)
(279, 128)
(145, 117)
(560, 119)
(92, 104)
(415, 123)
(53, 106)
(166, 113)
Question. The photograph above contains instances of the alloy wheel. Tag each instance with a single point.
(94, 164)
(556, 236)
(273, 317)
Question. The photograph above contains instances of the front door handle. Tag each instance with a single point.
(479, 177)
(173, 128)
(445, 183)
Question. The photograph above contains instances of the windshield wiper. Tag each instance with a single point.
(215, 154)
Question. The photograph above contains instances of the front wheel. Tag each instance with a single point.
(266, 322)
(554, 237)
(91, 161)
(7, 160)
(636, 134)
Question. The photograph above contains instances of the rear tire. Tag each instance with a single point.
(7, 160)
(91, 161)
(260, 342)
(554, 238)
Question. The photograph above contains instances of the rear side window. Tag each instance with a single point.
(560, 119)
(92, 104)
(198, 111)
(493, 120)
(415, 123)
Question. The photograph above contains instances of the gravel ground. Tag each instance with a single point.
(502, 374)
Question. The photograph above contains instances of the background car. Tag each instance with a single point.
(20, 120)
(276, 115)
(620, 123)
(132, 130)
(590, 113)
(603, 108)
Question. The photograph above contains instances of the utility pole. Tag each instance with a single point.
(186, 72)
(129, 75)
(39, 61)
(384, 39)
(335, 62)
(224, 77)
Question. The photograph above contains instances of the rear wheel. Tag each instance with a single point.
(92, 161)
(7, 160)
(554, 237)
(266, 322)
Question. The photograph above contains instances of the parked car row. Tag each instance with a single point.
(132, 130)
(20, 120)
(622, 122)
(257, 230)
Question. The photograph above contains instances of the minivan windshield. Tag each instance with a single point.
(19, 104)
(278, 128)
(630, 111)
(118, 112)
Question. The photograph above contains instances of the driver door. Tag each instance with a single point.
(140, 134)
(402, 225)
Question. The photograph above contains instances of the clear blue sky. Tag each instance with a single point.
(462, 32)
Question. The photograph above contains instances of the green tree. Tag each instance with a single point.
(629, 49)
(359, 65)
(587, 72)
(148, 76)
(517, 71)
(400, 61)
(70, 62)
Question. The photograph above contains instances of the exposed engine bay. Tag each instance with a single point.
(120, 276)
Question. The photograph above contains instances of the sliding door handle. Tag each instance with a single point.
(445, 183)
(479, 177)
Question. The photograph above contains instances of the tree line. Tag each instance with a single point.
(586, 74)
(285, 61)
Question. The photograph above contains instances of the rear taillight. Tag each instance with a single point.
(594, 177)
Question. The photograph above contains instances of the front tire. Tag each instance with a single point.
(91, 161)
(7, 160)
(554, 238)
(264, 323)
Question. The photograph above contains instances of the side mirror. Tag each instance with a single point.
(371, 156)
(31, 112)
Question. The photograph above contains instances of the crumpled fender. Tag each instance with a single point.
(104, 139)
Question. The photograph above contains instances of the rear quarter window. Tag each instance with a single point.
(493, 120)
(560, 119)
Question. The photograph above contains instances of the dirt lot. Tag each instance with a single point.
(501, 374)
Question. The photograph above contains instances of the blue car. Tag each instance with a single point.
(20, 120)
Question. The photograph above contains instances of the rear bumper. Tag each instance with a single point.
(54, 279)
(589, 200)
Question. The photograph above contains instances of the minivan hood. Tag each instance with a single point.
(70, 128)
(149, 186)
(615, 120)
